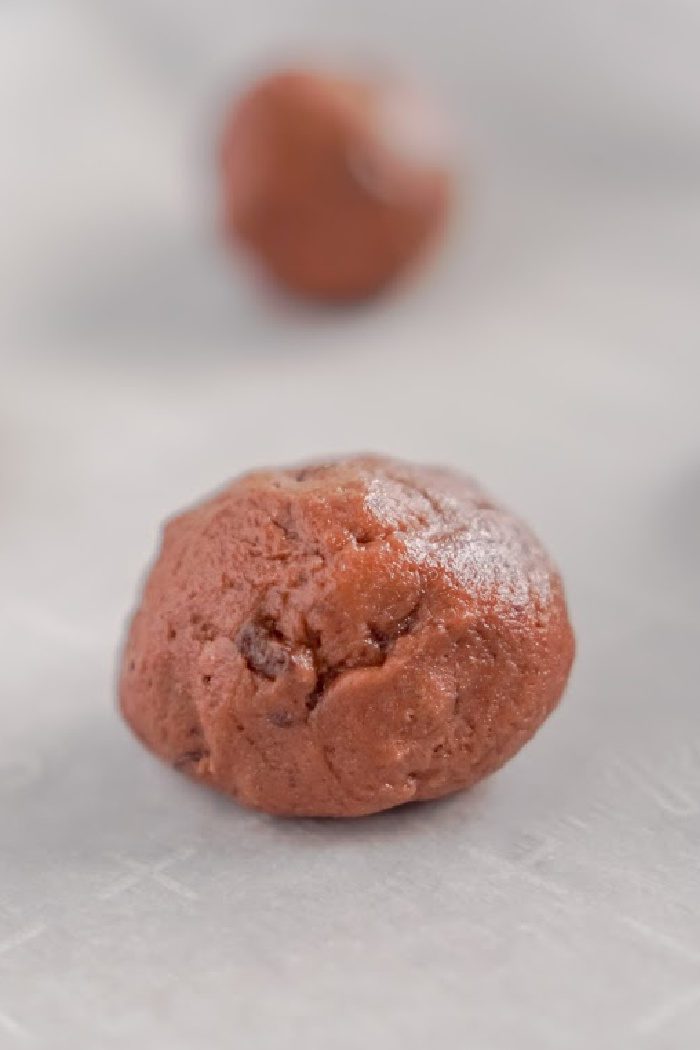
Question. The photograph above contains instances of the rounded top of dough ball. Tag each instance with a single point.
(334, 185)
(343, 637)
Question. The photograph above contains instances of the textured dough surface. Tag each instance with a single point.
(341, 638)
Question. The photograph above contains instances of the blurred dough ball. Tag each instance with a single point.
(335, 186)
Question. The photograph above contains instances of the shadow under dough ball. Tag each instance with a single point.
(345, 637)
(334, 186)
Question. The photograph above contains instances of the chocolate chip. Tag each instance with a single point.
(281, 719)
(260, 645)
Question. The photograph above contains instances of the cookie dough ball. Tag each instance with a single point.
(335, 186)
(345, 637)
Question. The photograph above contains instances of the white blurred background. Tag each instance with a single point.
(552, 349)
